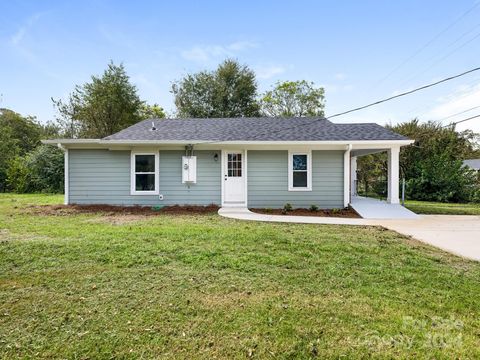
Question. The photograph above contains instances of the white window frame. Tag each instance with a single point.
(133, 190)
(309, 170)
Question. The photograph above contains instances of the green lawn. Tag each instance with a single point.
(201, 286)
(426, 207)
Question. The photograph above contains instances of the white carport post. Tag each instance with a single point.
(393, 175)
(353, 175)
(346, 176)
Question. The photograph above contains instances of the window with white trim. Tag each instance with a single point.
(300, 171)
(144, 173)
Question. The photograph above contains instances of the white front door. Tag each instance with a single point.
(234, 178)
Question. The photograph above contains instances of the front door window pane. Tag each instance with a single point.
(234, 165)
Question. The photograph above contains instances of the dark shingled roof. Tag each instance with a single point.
(253, 129)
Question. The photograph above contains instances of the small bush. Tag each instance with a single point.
(313, 208)
(287, 207)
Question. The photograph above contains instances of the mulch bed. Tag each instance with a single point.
(60, 210)
(344, 213)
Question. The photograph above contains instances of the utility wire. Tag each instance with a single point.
(439, 60)
(309, 122)
(428, 43)
(461, 121)
(461, 112)
(405, 93)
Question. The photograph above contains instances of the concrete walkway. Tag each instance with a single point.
(245, 214)
(458, 234)
(369, 208)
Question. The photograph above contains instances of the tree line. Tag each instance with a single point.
(432, 166)
(110, 102)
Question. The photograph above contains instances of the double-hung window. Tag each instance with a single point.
(299, 171)
(144, 173)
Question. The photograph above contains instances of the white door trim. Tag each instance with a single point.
(224, 172)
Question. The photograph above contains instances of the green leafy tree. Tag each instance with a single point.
(432, 166)
(46, 169)
(229, 91)
(18, 135)
(23, 130)
(41, 170)
(101, 107)
(293, 98)
(154, 111)
(17, 175)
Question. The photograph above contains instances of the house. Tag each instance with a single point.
(473, 164)
(254, 162)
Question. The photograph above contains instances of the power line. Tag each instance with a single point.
(422, 108)
(461, 112)
(405, 93)
(461, 121)
(429, 106)
(428, 43)
(309, 122)
(439, 60)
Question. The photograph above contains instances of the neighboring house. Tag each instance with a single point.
(254, 162)
(474, 164)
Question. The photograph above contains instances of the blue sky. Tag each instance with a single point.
(360, 51)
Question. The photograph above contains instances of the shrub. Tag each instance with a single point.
(313, 208)
(287, 207)
(18, 175)
(46, 167)
(41, 170)
(443, 180)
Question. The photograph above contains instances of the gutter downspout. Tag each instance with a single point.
(346, 176)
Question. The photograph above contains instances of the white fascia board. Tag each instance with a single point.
(357, 144)
(71, 141)
(200, 142)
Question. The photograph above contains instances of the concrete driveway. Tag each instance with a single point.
(458, 234)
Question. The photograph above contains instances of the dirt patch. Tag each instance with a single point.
(343, 213)
(111, 210)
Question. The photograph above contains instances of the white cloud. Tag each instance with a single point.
(463, 98)
(267, 72)
(242, 45)
(340, 76)
(335, 88)
(206, 53)
(22, 31)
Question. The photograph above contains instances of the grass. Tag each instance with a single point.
(426, 207)
(201, 286)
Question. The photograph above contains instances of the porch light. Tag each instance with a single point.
(215, 157)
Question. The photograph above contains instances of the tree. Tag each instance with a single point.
(18, 135)
(23, 130)
(102, 107)
(293, 98)
(229, 91)
(432, 166)
(154, 111)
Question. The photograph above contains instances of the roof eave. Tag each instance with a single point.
(99, 142)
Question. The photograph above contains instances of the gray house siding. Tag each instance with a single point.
(268, 180)
(103, 177)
